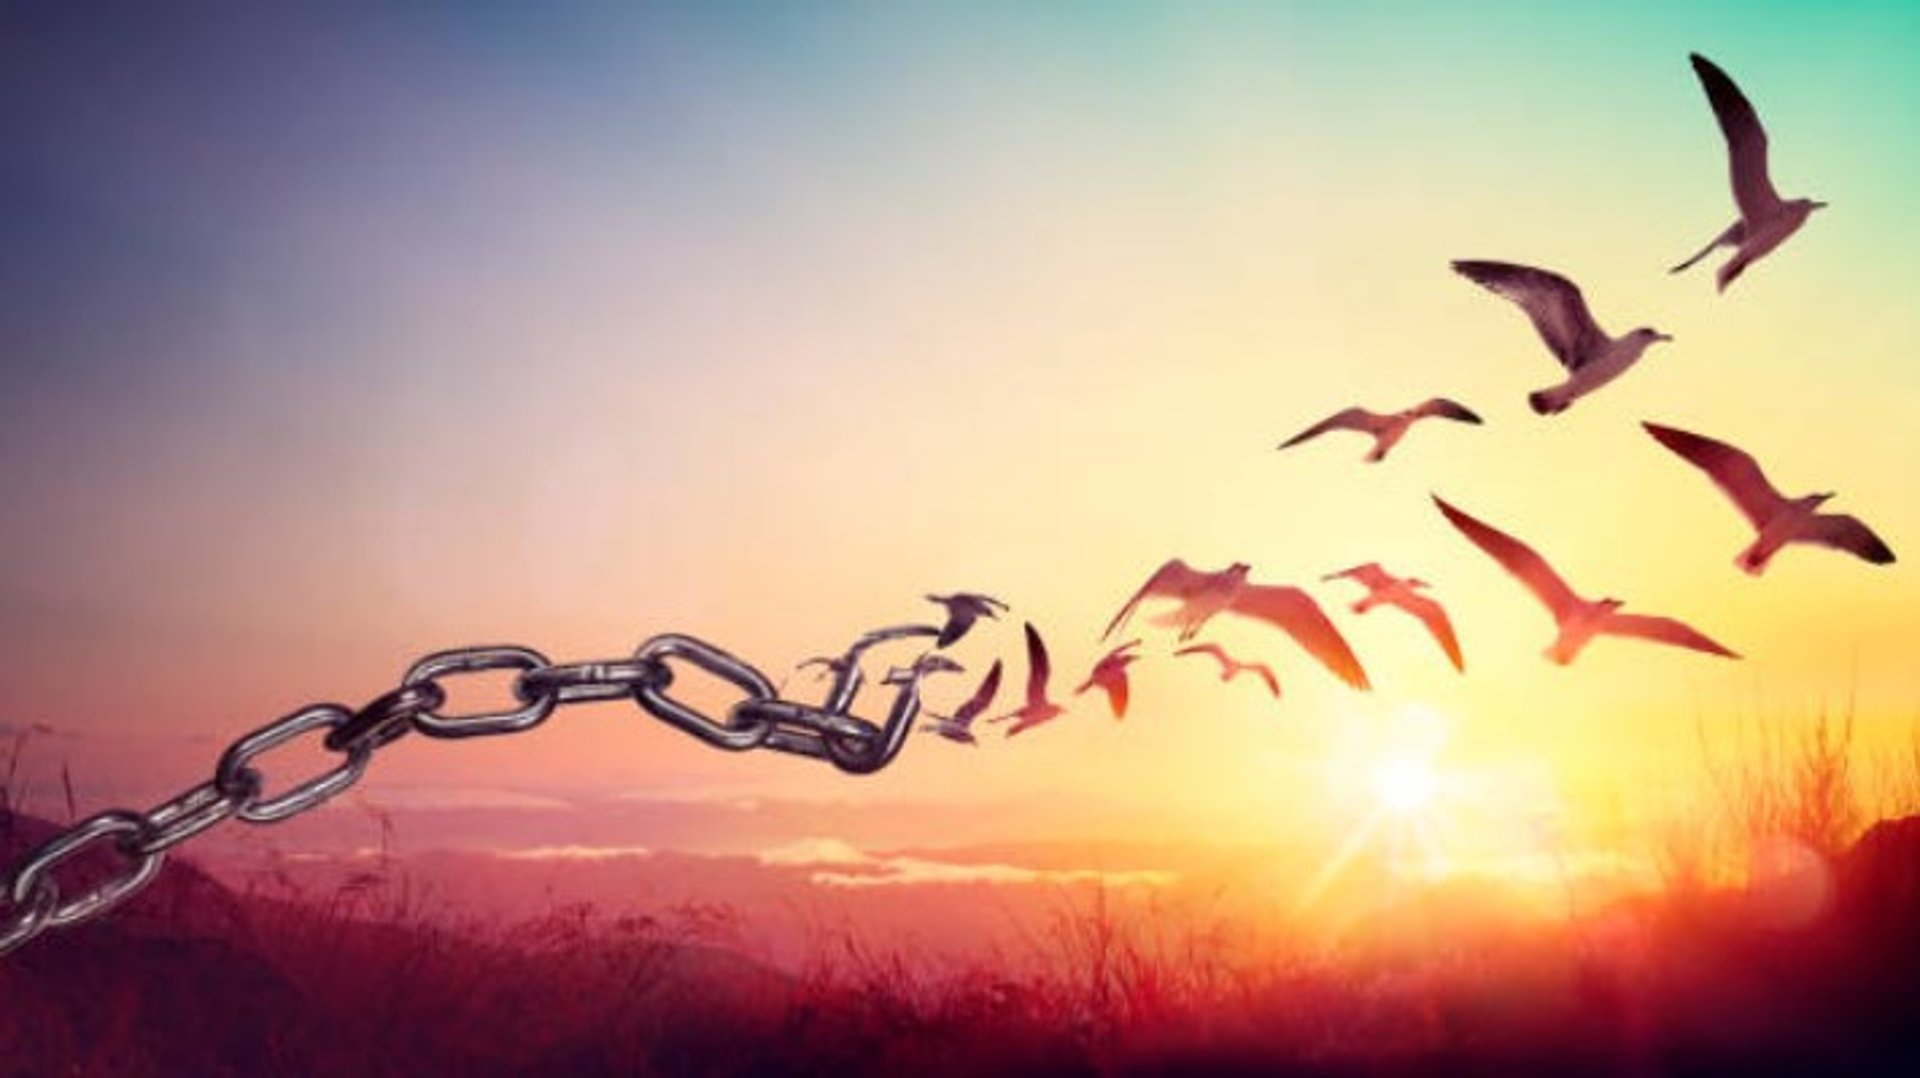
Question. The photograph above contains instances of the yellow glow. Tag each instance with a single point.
(1404, 785)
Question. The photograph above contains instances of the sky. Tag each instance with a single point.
(333, 336)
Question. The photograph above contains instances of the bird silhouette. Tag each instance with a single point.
(1579, 620)
(1560, 314)
(1295, 613)
(1777, 519)
(1387, 428)
(959, 725)
(1766, 219)
(1231, 667)
(1110, 673)
(1404, 592)
(963, 609)
(1038, 709)
(1200, 594)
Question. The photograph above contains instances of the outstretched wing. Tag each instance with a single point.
(1347, 419)
(1736, 473)
(1219, 654)
(1295, 612)
(1843, 532)
(1517, 558)
(1039, 668)
(1434, 616)
(1174, 580)
(1746, 141)
(1663, 630)
(981, 698)
(1443, 408)
(1371, 576)
(1265, 673)
(1556, 307)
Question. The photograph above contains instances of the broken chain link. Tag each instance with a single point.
(31, 900)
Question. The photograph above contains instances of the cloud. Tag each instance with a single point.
(574, 853)
(462, 797)
(841, 858)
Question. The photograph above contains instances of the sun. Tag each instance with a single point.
(1403, 785)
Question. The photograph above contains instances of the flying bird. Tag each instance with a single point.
(1404, 592)
(1560, 314)
(1387, 428)
(1579, 620)
(1200, 594)
(963, 609)
(959, 725)
(1766, 219)
(1294, 612)
(1110, 673)
(1777, 519)
(1231, 667)
(1038, 708)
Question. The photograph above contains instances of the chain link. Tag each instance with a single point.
(31, 898)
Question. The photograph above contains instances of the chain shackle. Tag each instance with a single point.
(430, 670)
(31, 900)
(234, 778)
(34, 881)
(698, 653)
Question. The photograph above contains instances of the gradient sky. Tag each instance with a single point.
(331, 338)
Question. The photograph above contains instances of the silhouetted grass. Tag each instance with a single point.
(371, 977)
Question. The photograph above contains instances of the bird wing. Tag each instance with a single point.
(1346, 419)
(1371, 576)
(1663, 630)
(1295, 612)
(1843, 532)
(1519, 559)
(1266, 675)
(1736, 473)
(1746, 141)
(1038, 666)
(1446, 409)
(981, 697)
(1554, 304)
(1219, 654)
(1174, 580)
(1430, 612)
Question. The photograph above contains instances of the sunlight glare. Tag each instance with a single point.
(1403, 785)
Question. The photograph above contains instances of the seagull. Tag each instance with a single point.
(1558, 311)
(1579, 620)
(963, 609)
(959, 725)
(1766, 219)
(1038, 708)
(1294, 612)
(1779, 520)
(1200, 594)
(1231, 667)
(1387, 428)
(1403, 592)
(1110, 673)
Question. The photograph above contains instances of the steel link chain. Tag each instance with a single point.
(33, 899)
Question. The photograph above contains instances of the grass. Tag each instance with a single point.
(367, 978)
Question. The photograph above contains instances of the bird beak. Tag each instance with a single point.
(1663, 336)
(1818, 205)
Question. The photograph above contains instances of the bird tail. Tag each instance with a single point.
(1731, 235)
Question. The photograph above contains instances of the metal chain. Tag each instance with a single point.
(33, 900)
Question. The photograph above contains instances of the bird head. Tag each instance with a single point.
(1649, 335)
(1823, 498)
(1814, 204)
(1416, 582)
(1610, 605)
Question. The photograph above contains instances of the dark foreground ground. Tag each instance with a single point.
(191, 979)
